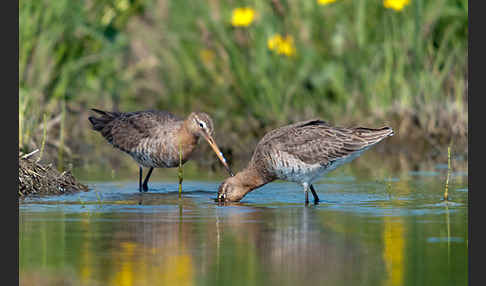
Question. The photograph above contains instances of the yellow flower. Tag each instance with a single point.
(325, 2)
(207, 56)
(282, 46)
(286, 47)
(242, 17)
(395, 4)
(274, 42)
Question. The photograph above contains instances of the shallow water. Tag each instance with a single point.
(365, 231)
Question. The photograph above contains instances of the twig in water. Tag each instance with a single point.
(388, 188)
(98, 197)
(81, 202)
(446, 193)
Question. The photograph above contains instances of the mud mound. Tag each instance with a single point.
(37, 179)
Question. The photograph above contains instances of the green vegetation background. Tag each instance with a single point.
(355, 63)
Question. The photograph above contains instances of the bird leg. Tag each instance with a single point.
(180, 180)
(316, 198)
(180, 174)
(140, 179)
(145, 182)
(306, 191)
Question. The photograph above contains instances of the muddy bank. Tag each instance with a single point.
(39, 179)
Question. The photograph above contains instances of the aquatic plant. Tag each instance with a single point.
(446, 191)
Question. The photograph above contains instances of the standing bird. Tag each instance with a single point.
(156, 139)
(301, 153)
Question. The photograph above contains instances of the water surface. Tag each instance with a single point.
(394, 230)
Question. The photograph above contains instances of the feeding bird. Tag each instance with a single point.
(300, 153)
(156, 139)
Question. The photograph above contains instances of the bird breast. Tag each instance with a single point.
(162, 149)
(290, 168)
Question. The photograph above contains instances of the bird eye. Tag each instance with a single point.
(202, 125)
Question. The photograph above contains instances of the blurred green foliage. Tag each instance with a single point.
(70, 51)
(354, 60)
(351, 56)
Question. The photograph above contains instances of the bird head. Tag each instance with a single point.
(201, 125)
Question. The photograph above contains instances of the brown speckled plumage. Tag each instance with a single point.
(153, 138)
(301, 153)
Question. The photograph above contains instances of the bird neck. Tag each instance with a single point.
(186, 140)
(185, 131)
(250, 179)
(186, 128)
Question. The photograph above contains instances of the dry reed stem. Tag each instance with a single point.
(446, 193)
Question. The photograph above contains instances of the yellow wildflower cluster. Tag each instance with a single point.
(242, 17)
(395, 4)
(281, 45)
(325, 2)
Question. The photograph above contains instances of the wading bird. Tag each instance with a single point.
(156, 139)
(301, 153)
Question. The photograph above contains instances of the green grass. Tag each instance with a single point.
(352, 56)
(68, 55)
(355, 61)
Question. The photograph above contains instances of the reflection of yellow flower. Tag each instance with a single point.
(325, 2)
(242, 17)
(395, 4)
(282, 46)
(394, 251)
(180, 271)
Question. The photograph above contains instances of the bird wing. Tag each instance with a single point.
(315, 141)
(278, 132)
(125, 130)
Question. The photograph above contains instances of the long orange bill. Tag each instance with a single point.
(218, 152)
